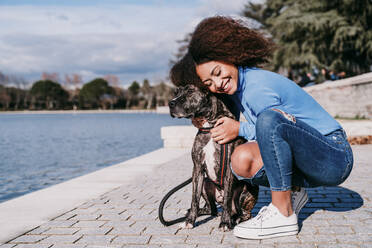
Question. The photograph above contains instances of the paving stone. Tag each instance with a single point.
(61, 239)
(95, 231)
(282, 240)
(232, 240)
(28, 239)
(39, 230)
(87, 223)
(130, 240)
(336, 230)
(365, 229)
(32, 246)
(249, 245)
(7, 245)
(103, 246)
(127, 230)
(214, 246)
(59, 223)
(337, 246)
(96, 239)
(161, 239)
(85, 217)
(68, 246)
(118, 223)
(66, 216)
(146, 246)
(62, 230)
(317, 238)
(157, 229)
(366, 245)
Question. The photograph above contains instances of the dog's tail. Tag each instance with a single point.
(165, 198)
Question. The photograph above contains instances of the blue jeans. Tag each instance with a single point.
(295, 153)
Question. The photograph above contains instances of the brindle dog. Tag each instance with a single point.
(237, 198)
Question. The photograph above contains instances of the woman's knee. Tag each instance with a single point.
(244, 159)
(267, 119)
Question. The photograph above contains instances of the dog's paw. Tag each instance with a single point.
(186, 225)
(225, 227)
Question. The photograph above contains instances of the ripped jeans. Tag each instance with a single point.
(296, 154)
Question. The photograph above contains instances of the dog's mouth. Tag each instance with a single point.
(181, 115)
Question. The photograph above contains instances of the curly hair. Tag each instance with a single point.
(221, 38)
(184, 72)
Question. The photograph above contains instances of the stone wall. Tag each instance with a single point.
(346, 98)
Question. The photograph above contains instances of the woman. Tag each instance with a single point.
(293, 141)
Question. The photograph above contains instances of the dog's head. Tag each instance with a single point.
(191, 102)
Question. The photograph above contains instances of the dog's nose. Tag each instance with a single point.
(172, 103)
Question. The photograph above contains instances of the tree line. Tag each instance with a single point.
(99, 93)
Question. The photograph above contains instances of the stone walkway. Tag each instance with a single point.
(128, 216)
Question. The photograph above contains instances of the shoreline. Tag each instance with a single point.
(92, 111)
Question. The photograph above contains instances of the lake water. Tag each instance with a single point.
(40, 150)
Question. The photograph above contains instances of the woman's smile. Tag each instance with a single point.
(218, 76)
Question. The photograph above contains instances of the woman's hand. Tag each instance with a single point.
(225, 130)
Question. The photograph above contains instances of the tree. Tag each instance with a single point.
(134, 88)
(132, 94)
(148, 94)
(163, 94)
(96, 93)
(50, 76)
(182, 49)
(324, 34)
(48, 94)
(4, 98)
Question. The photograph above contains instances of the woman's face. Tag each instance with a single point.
(219, 77)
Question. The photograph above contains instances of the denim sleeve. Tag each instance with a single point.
(264, 98)
(247, 130)
(259, 98)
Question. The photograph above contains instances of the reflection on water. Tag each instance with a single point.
(39, 150)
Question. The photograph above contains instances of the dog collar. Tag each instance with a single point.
(205, 129)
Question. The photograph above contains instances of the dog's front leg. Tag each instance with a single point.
(227, 222)
(197, 185)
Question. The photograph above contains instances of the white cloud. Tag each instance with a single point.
(131, 41)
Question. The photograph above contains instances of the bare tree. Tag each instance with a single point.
(50, 76)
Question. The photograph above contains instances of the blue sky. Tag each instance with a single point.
(132, 39)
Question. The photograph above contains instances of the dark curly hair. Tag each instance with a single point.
(221, 38)
(184, 72)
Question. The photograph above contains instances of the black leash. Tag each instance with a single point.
(165, 198)
(223, 161)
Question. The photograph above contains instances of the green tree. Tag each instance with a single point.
(132, 95)
(96, 93)
(47, 94)
(332, 34)
(134, 88)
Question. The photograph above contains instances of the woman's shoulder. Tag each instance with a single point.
(257, 75)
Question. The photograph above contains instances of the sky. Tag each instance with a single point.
(132, 39)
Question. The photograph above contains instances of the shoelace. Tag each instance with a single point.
(264, 213)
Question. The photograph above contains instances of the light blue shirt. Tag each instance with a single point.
(259, 90)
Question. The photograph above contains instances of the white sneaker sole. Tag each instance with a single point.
(267, 233)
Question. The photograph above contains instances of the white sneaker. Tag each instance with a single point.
(268, 223)
(299, 199)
